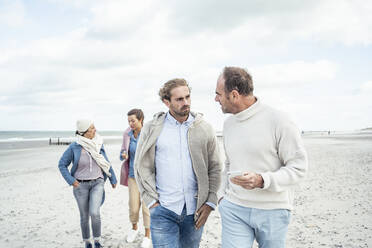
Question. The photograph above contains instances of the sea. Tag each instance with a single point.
(25, 139)
(33, 139)
(27, 151)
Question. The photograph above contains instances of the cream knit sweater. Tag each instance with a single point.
(263, 140)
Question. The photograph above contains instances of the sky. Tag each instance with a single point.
(62, 60)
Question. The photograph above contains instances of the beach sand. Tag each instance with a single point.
(332, 205)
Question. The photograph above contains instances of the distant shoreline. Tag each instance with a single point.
(22, 144)
(30, 140)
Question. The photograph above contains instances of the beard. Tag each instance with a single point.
(184, 111)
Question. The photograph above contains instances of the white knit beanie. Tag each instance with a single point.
(83, 125)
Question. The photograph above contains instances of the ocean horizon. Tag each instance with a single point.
(14, 136)
(33, 139)
(40, 135)
(24, 139)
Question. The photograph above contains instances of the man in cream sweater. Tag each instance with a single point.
(265, 158)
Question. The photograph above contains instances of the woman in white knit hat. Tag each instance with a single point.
(90, 169)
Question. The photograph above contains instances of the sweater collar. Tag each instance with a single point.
(250, 111)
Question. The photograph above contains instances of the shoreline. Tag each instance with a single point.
(32, 144)
(108, 140)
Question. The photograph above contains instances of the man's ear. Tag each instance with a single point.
(166, 102)
(235, 94)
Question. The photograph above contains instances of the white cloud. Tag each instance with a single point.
(366, 87)
(12, 13)
(294, 73)
(120, 19)
(345, 21)
(126, 50)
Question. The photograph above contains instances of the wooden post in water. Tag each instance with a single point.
(59, 141)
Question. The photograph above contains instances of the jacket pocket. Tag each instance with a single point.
(150, 183)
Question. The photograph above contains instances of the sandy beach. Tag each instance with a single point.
(332, 206)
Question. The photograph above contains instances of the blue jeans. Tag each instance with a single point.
(88, 196)
(169, 230)
(242, 225)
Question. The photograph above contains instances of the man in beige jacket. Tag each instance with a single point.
(177, 168)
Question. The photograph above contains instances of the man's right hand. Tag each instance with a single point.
(154, 205)
(249, 180)
(75, 184)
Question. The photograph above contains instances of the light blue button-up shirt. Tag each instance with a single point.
(176, 182)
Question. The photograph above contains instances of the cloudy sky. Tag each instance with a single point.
(61, 60)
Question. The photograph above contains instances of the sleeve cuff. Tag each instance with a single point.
(71, 180)
(266, 180)
(120, 157)
(212, 205)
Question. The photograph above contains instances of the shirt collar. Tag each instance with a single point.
(169, 118)
(131, 134)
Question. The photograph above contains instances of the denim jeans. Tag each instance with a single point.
(88, 196)
(169, 230)
(242, 225)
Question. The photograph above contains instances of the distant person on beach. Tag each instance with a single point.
(265, 158)
(177, 168)
(90, 169)
(127, 153)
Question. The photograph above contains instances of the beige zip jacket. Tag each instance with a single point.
(204, 152)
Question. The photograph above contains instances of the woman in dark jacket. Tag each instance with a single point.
(90, 169)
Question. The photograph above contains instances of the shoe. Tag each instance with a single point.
(88, 245)
(97, 244)
(132, 235)
(146, 242)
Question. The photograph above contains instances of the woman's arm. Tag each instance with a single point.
(124, 146)
(64, 162)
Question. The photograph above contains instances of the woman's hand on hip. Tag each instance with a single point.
(75, 184)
